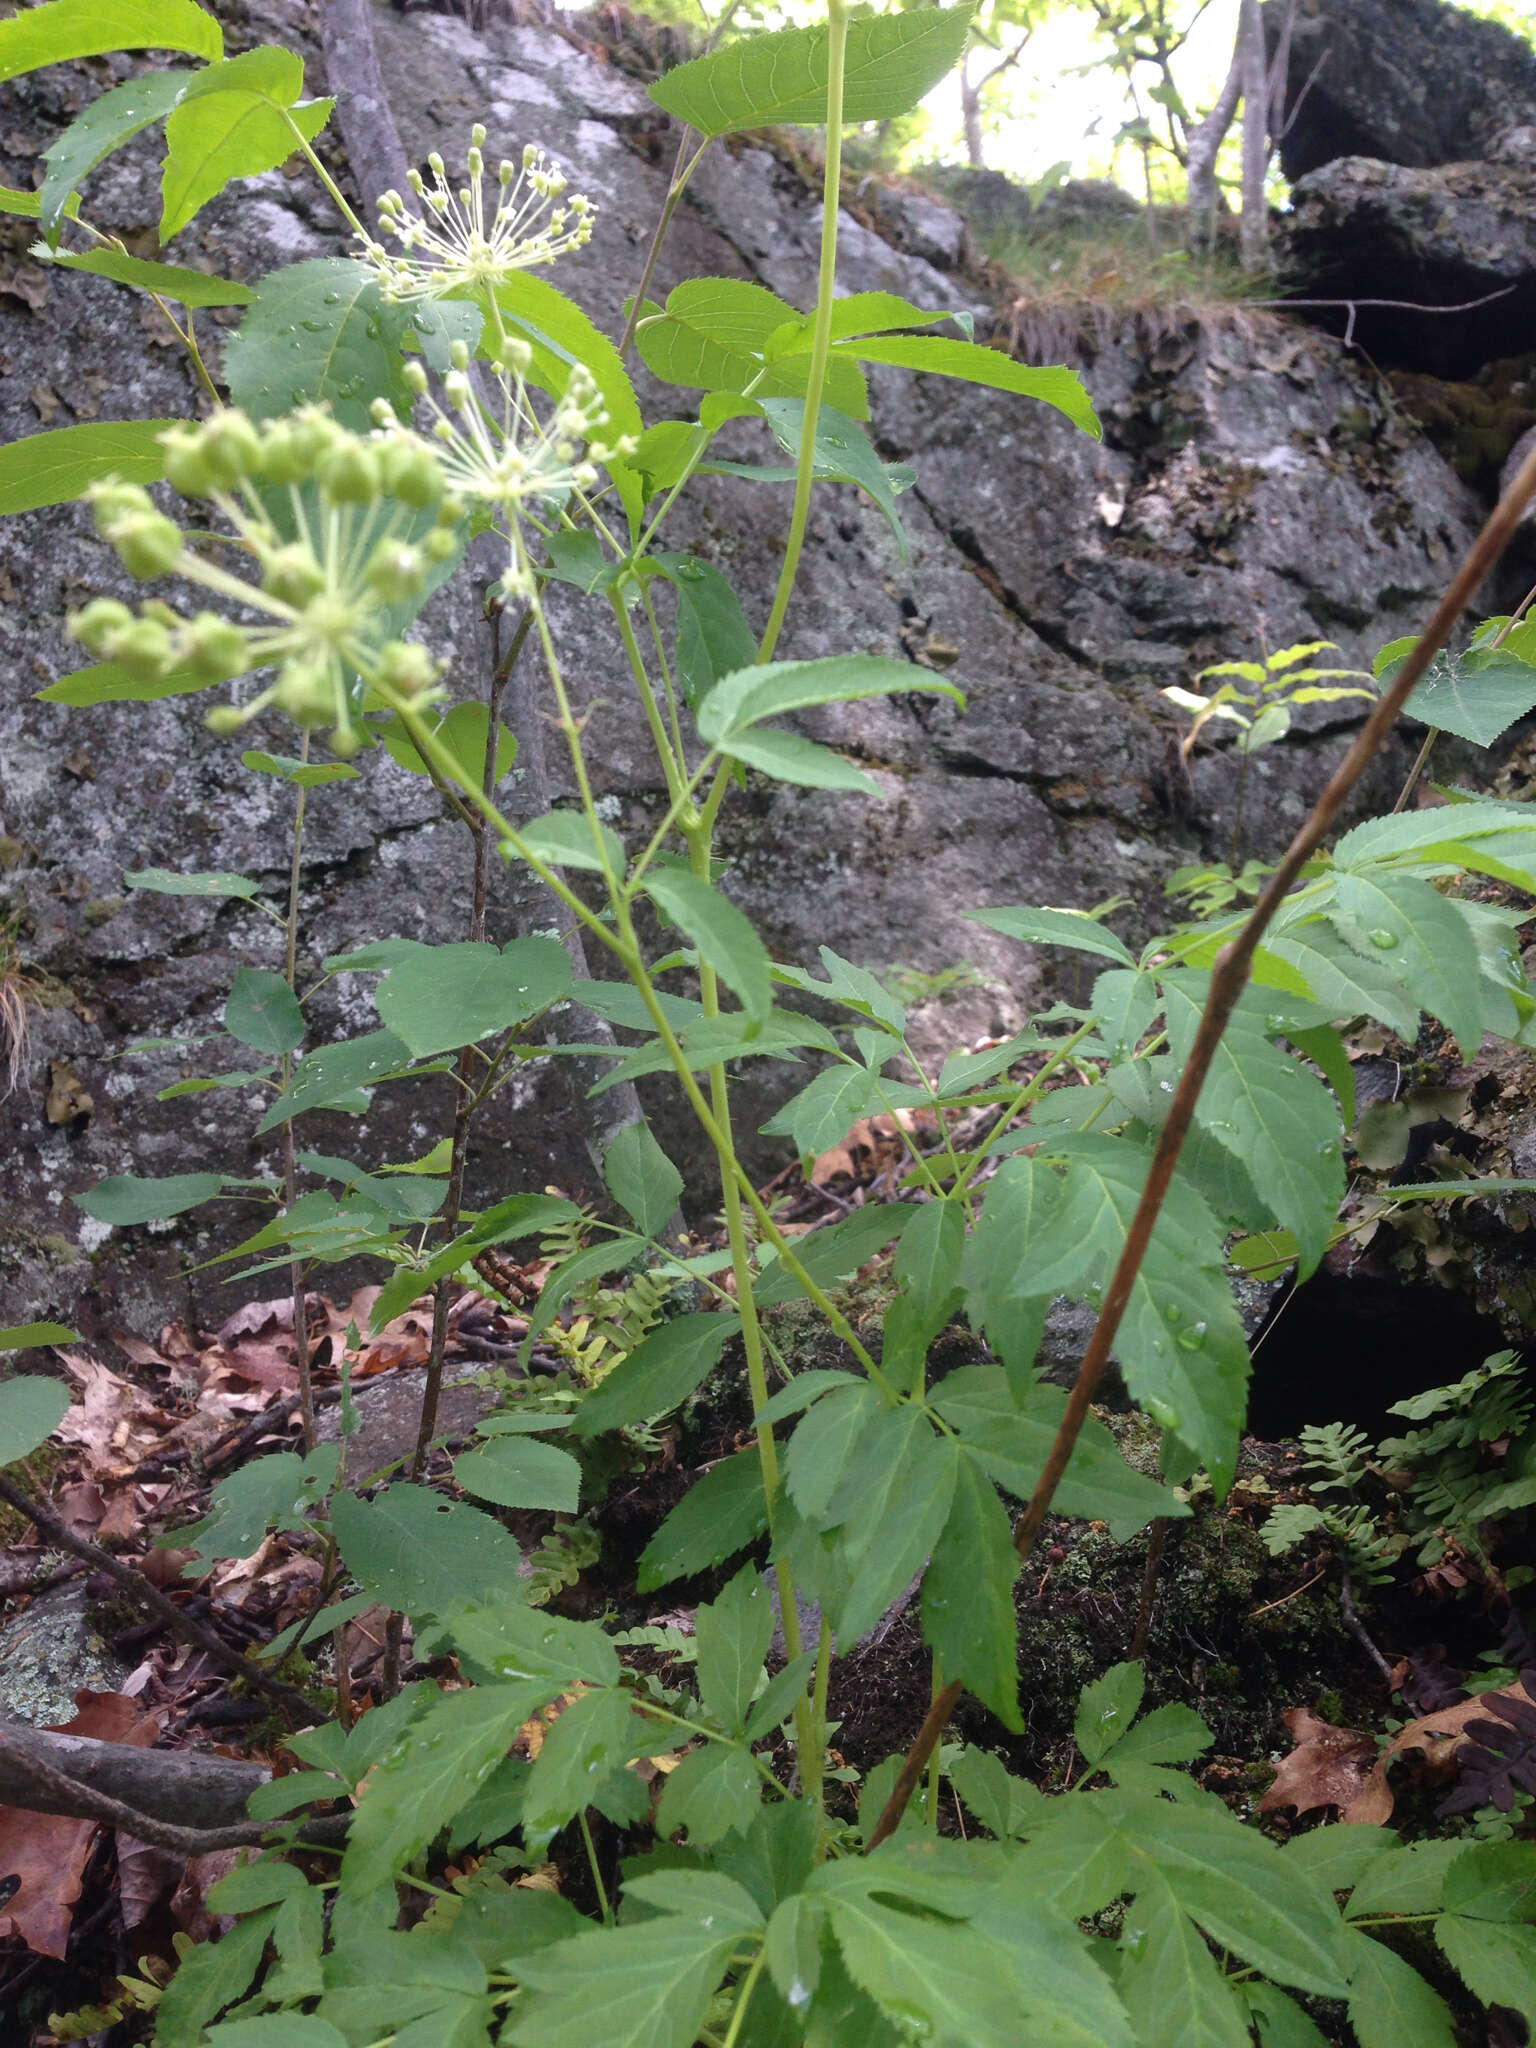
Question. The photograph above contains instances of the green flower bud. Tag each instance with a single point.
(305, 690)
(213, 648)
(143, 649)
(231, 447)
(225, 720)
(345, 742)
(410, 473)
(113, 500)
(186, 463)
(441, 544)
(98, 622)
(292, 574)
(348, 473)
(146, 543)
(397, 571)
(290, 448)
(407, 667)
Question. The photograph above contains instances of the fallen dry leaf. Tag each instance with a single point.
(1327, 1767)
(1436, 1737)
(47, 1851)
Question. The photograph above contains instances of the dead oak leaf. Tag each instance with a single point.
(1436, 1737)
(1327, 1767)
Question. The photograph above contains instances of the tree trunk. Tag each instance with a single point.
(1255, 76)
(1205, 142)
(970, 110)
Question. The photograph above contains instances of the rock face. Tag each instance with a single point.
(1253, 485)
(1413, 82)
(1361, 229)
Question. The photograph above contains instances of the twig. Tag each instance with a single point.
(1155, 1541)
(1350, 1615)
(58, 1532)
(1286, 1598)
(916, 1763)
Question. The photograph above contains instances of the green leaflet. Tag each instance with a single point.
(1010, 1429)
(105, 683)
(967, 1603)
(1347, 982)
(1389, 2002)
(591, 1739)
(642, 1986)
(1056, 928)
(1172, 1987)
(31, 1408)
(48, 469)
(725, 937)
(24, 1336)
(712, 337)
(319, 332)
(447, 996)
(1426, 938)
(335, 1076)
(421, 1785)
(642, 1179)
(235, 119)
(780, 80)
(888, 1508)
(1275, 1117)
(971, 363)
(124, 1198)
(263, 1011)
(733, 1634)
(463, 731)
(1180, 1341)
(713, 636)
(167, 280)
(521, 1472)
(743, 699)
(63, 29)
(106, 124)
(721, 1513)
(844, 454)
(662, 1370)
(1477, 695)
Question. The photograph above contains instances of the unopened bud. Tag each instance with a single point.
(407, 668)
(225, 720)
(146, 543)
(142, 649)
(98, 622)
(397, 571)
(349, 474)
(214, 648)
(410, 473)
(292, 574)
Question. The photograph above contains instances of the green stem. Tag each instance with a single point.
(821, 333)
(595, 1868)
(671, 764)
(338, 197)
(744, 1999)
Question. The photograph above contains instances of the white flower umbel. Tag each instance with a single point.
(326, 584)
(496, 451)
(448, 244)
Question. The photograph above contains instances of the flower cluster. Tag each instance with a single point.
(448, 245)
(497, 452)
(356, 541)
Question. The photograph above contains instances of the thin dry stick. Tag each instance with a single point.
(58, 1532)
(1228, 980)
(1157, 1537)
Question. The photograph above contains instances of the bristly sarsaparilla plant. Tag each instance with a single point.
(307, 520)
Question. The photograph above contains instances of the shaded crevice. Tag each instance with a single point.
(1344, 1348)
(965, 542)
